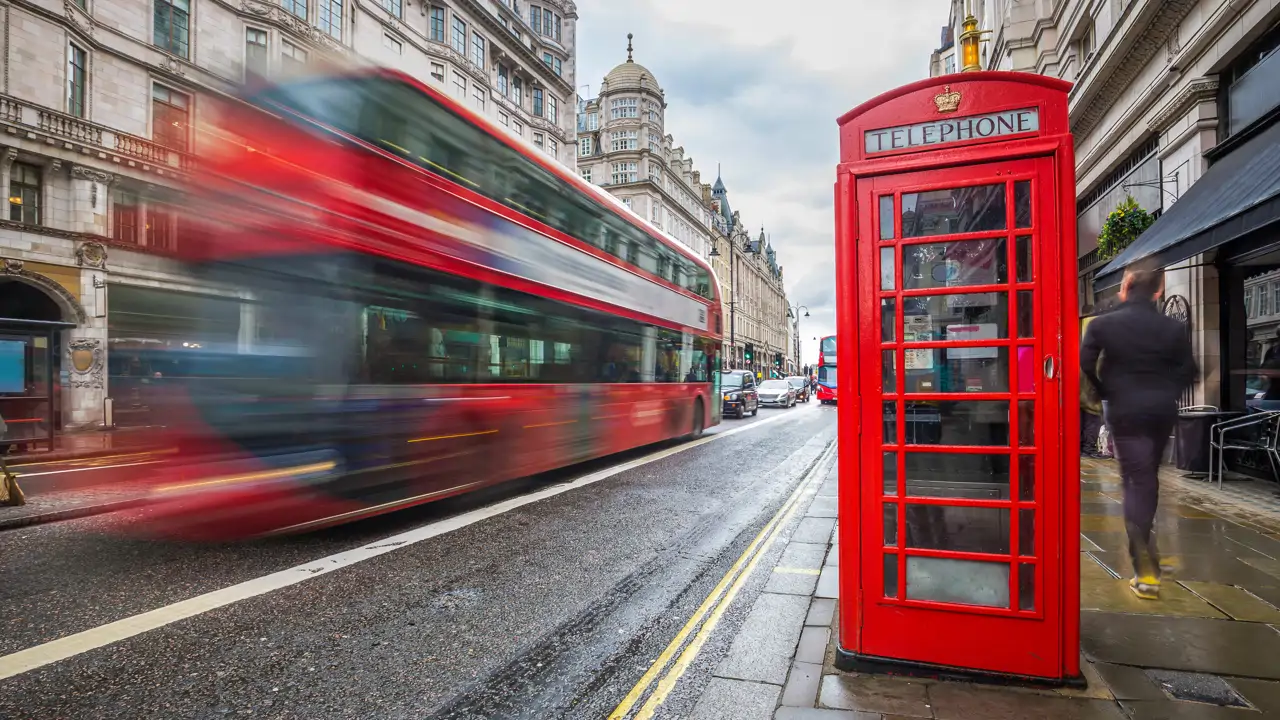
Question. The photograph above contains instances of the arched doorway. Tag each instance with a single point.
(32, 319)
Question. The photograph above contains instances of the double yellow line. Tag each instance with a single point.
(712, 609)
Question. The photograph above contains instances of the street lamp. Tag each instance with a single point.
(794, 312)
(734, 233)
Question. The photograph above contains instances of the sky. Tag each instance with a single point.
(756, 87)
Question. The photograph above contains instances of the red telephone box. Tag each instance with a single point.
(956, 292)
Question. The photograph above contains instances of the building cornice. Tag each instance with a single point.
(1144, 28)
(1197, 91)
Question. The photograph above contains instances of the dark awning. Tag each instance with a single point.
(1238, 195)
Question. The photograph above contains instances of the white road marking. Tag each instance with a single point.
(82, 642)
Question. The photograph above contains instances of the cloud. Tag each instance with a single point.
(756, 87)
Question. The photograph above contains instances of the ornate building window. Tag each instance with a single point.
(292, 57)
(553, 113)
(584, 146)
(593, 121)
(459, 40)
(331, 18)
(172, 26)
(125, 216)
(24, 193)
(170, 112)
(395, 7)
(627, 172)
(537, 102)
(620, 140)
(77, 60)
(437, 24)
(504, 83)
(255, 51)
(478, 50)
(620, 108)
(296, 7)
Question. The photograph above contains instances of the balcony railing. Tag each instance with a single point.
(78, 130)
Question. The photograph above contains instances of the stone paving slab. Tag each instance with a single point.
(736, 700)
(801, 689)
(1262, 694)
(1237, 603)
(821, 612)
(792, 581)
(1219, 647)
(829, 582)
(766, 643)
(872, 693)
(814, 530)
(957, 701)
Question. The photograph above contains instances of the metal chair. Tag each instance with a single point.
(1265, 437)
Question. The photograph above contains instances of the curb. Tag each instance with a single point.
(68, 514)
(14, 461)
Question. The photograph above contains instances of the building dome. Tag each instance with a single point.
(630, 74)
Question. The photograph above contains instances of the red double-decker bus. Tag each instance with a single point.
(827, 370)
(428, 306)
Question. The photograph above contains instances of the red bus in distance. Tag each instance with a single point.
(432, 306)
(827, 370)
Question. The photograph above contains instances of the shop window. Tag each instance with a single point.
(25, 193)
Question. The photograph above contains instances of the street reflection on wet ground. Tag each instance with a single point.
(1217, 622)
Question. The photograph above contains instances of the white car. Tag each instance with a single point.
(778, 393)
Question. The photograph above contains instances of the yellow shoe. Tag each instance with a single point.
(1147, 588)
(1169, 565)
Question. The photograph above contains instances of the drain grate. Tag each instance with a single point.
(1197, 687)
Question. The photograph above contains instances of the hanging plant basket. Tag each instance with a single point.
(1122, 227)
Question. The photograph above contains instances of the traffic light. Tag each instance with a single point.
(748, 352)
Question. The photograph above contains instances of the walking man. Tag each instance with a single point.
(1146, 364)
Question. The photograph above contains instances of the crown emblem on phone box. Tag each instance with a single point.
(948, 100)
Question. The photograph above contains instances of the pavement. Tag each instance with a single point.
(690, 580)
(73, 487)
(1209, 648)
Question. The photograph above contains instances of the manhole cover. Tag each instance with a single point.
(1197, 687)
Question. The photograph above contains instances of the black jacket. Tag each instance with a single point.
(1147, 362)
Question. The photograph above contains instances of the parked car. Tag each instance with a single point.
(738, 388)
(801, 384)
(777, 393)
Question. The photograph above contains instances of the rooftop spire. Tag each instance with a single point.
(629, 48)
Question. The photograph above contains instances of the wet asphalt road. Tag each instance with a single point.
(553, 609)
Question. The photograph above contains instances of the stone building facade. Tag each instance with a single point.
(99, 106)
(1152, 78)
(625, 147)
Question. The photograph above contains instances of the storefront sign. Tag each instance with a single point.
(948, 130)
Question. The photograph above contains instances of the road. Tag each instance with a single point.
(543, 598)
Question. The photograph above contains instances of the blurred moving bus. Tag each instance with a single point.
(429, 305)
(827, 370)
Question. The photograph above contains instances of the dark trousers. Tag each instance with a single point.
(1139, 448)
(1090, 428)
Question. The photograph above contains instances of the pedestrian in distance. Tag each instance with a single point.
(1140, 361)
